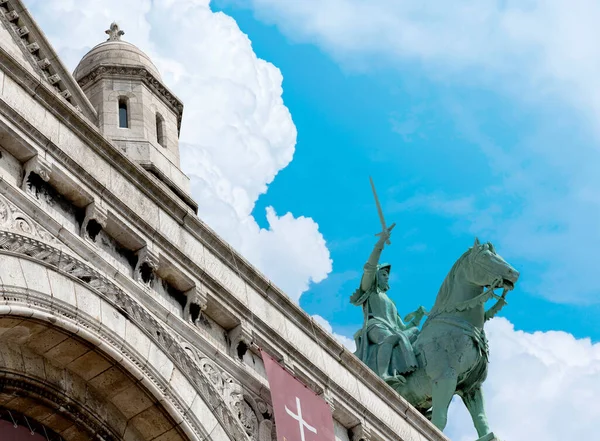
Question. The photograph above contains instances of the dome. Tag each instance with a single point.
(114, 52)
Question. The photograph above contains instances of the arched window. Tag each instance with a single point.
(160, 130)
(123, 112)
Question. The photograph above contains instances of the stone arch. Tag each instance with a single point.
(65, 319)
(130, 101)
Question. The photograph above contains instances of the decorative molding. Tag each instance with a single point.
(264, 414)
(144, 75)
(20, 27)
(53, 79)
(14, 220)
(94, 221)
(22, 31)
(43, 63)
(40, 167)
(196, 303)
(240, 340)
(32, 47)
(134, 311)
(254, 414)
(147, 264)
(12, 16)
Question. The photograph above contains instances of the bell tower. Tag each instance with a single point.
(135, 108)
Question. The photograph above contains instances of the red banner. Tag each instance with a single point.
(300, 414)
(8, 432)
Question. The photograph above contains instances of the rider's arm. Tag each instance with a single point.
(370, 268)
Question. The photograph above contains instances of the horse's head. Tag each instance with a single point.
(488, 267)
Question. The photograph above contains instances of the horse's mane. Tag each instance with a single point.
(446, 289)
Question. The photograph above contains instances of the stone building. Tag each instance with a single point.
(122, 315)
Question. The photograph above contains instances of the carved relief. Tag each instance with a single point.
(196, 302)
(53, 79)
(23, 31)
(43, 64)
(264, 415)
(145, 269)
(13, 219)
(247, 417)
(252, 412)
(12, 16)
(36, 169)
(33, 47)
(94, 221)
(240, 340)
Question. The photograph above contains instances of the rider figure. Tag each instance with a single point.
(385, 341)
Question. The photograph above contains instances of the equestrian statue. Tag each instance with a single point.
(449, 355)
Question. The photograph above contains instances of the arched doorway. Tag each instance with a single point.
(77, 347)
(69, 386)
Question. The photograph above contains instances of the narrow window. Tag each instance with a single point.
(160, 130)
(123, 116)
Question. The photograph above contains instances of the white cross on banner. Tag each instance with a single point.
(300, 414)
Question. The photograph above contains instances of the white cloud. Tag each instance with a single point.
(236, 134)
(551, 40)
(342, 339)
(540, 386)
(543, 207)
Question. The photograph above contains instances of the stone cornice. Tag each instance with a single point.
(42, 57)
(154, 84)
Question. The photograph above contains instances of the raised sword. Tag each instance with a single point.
(380, 212)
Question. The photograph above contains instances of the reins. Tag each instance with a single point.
(475, 301)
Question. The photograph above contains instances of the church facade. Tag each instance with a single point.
(122, 315)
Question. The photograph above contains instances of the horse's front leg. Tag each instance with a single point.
(443, 389)
(475, 405)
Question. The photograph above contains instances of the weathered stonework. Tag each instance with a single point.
(140, 74)
(121, 299)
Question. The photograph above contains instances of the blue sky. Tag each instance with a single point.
(417, 137)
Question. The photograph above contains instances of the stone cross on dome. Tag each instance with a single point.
(114, 33)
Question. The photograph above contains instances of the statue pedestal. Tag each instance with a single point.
(489, 437)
